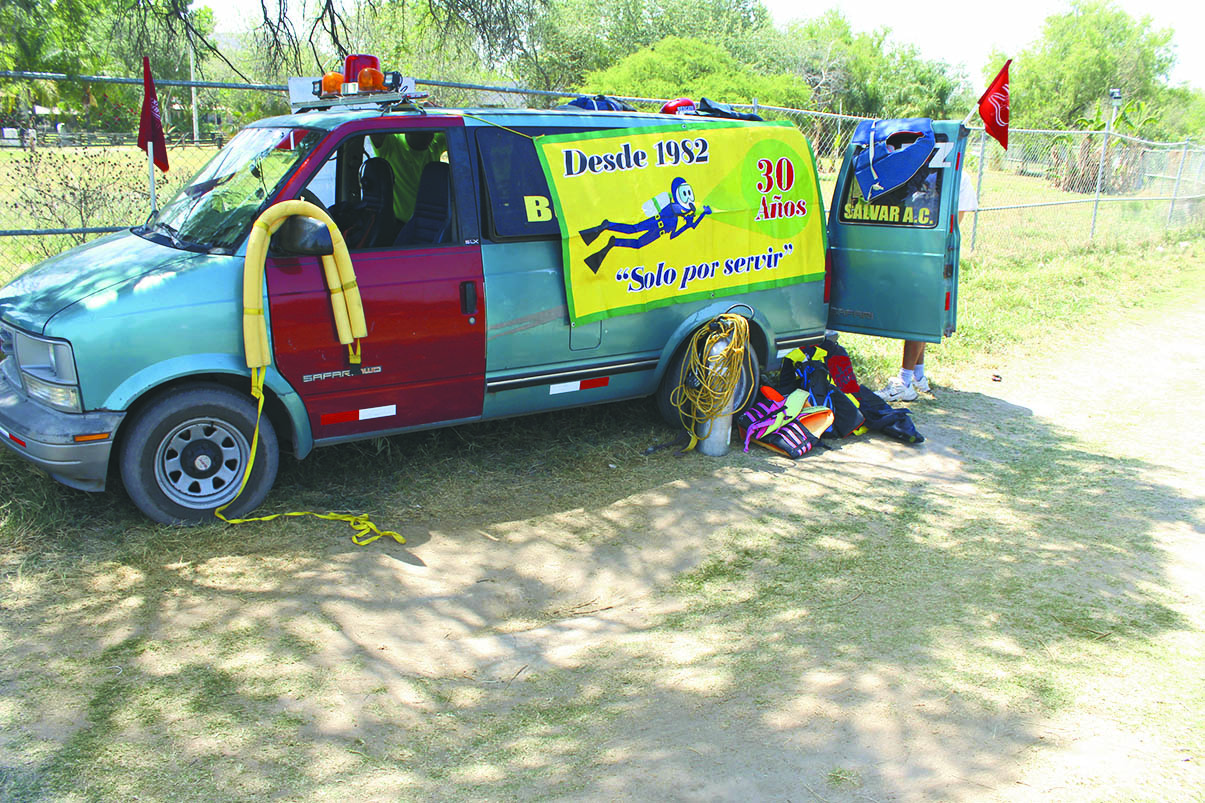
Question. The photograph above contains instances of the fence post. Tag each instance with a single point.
(1176, 189)
(979, 187)
(840, 119)
(192, 76)
(1100, 171)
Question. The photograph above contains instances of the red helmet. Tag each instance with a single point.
(680, 106)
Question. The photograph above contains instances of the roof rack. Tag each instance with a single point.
(388, 101)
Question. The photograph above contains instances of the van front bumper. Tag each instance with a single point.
(47, 438)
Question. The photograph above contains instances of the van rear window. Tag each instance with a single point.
(518, 203)
(916, 204)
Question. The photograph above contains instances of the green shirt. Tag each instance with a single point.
(407, 165)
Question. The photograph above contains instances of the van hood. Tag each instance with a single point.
(33, 298)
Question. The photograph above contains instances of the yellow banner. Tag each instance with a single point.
(661, 215)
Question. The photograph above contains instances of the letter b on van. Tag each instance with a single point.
(538, 208)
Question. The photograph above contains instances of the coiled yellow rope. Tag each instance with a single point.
(717, 374)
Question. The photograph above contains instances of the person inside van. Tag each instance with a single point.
(912, 378)
(407, 155)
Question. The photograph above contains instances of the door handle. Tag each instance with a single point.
(468, 298)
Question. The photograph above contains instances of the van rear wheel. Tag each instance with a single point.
(750, 376)
(187, 452)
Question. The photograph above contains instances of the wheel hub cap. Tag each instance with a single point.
(200, 463)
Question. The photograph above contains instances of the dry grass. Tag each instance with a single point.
(1013, 612)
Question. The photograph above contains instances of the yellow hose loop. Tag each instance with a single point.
(346, 305)
(718, 375)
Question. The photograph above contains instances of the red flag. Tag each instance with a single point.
(150, 128)
(993, 107)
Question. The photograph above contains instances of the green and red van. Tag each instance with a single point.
(125, 355)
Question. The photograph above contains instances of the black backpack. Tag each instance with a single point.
(813, 376)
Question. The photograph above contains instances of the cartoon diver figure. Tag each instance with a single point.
(663, 213)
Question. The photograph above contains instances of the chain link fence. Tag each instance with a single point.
(61, 184)
(1082, 186)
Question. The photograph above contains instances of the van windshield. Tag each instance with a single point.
(216, 208)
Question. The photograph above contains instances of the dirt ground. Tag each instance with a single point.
(728, 748)
(919, 747)
(498, 624)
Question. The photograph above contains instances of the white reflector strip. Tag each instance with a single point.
(582, 384)
(378, 412)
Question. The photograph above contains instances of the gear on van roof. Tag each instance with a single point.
(680, 106)
(602, 103)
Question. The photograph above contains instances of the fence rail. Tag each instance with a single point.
(68, 181)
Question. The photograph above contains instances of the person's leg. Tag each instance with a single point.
(900, 388)
(914, 352)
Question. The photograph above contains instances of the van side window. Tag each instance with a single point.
(916, 204)
(389, 189)
(518, 202)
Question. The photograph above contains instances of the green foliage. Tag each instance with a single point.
(857, 73)
(45, 36)
(1182, 114)
(410, 39)
(41, 35)
(1135, 118)
(92, 36)
(1083, 53)
(571, 38)
(693, 68)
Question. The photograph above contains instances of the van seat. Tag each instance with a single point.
(369, 222)
(432, 220)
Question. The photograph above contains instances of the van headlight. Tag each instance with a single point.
(47, 369)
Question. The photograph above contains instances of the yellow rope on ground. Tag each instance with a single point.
(348, 312)
(715, 357)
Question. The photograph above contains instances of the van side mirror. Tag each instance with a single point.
(303, 236)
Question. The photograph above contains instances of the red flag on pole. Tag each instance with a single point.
(993, 106)
(150, 128)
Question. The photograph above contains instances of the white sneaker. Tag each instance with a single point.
(896, 391)
(922, 385)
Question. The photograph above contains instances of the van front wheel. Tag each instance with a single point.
(187, 452)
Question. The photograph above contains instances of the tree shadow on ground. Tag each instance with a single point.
(880, 621)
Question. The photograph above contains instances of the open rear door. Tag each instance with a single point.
(895, 260)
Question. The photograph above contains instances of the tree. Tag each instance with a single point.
(410, 40)
(1082, 54)
(48, 37)
(1182, 114)
(567, 39)
(859, 73)
(693, 68)
(287, 41)
(93, 36)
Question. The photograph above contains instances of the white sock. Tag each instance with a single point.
(918, 373)
(906, 376)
